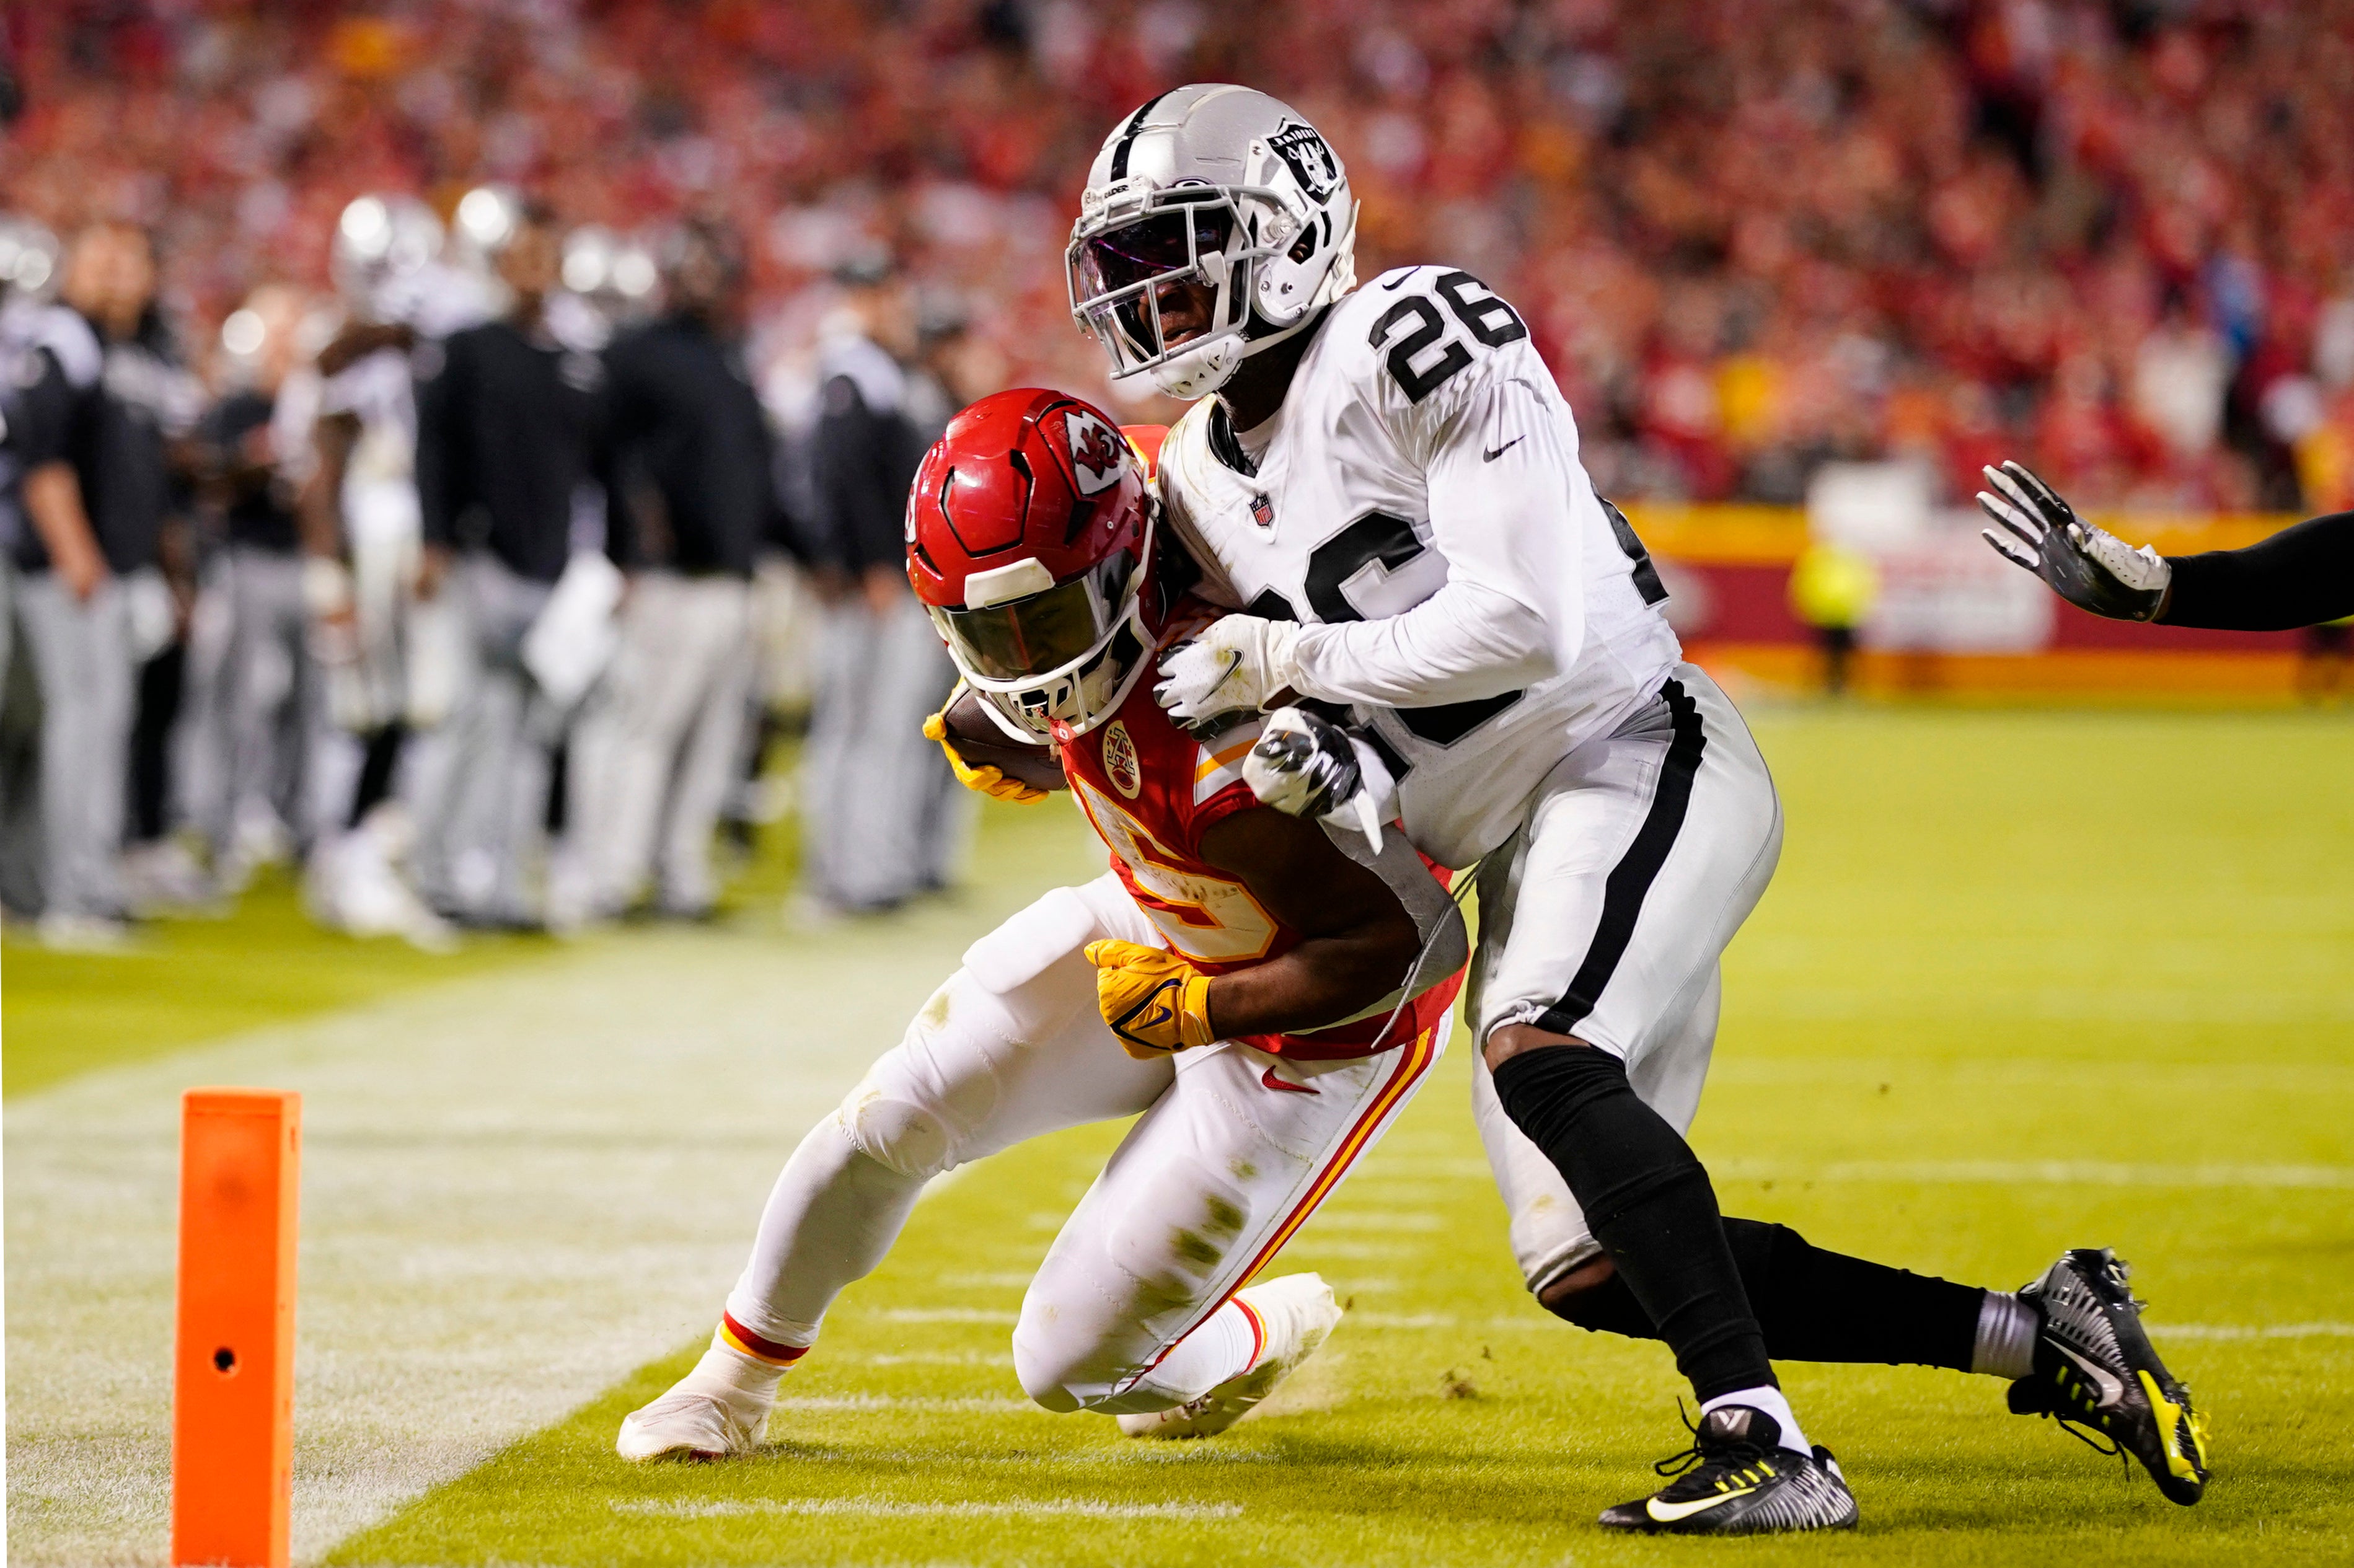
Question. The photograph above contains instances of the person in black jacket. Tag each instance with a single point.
(874, 828)
(271, 702)
(2302, 576)
(691, 496)
(89, 435)
(506, 431)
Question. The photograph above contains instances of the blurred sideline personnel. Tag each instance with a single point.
(1386, 481)
(362, 535)
(89, 436)
(2302, 576)
(691, 500)
(252, 446)
(29, 276)
(876, 832)
(507, 427)
(1308, 978)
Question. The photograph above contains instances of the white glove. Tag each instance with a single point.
(1304, 766)
(1233, 666)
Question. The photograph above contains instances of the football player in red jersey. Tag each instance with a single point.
(1267, 994)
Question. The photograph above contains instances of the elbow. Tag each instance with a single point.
(1383, 959)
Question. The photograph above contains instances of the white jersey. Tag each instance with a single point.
(378, 390)
(1418, 506)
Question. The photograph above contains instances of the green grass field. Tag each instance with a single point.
(2023, 981)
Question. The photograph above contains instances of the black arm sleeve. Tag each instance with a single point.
(624, 420)
(2300, 576)
(860, 511)
(440, 442)
(40, 421)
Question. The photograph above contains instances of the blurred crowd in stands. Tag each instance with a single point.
(2116, 237)
(738, 260)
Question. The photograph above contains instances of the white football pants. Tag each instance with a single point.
(1130, 1311)
(1604, 915)
(656, 753)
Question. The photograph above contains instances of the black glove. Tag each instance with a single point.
(2088, 567)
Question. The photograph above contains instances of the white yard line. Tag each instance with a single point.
(516, 1189)
(880, 1508)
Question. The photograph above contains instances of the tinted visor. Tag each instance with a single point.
(1153, 247)
(1044, 633)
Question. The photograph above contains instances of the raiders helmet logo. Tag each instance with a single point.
(1098, 452)
(1310, 160)
(1119, 759)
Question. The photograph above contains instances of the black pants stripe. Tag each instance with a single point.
(1630, 880)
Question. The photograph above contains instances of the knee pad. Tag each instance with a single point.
(894, 1131)
(1045, 1372)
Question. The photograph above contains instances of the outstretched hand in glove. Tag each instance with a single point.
(2089, 566)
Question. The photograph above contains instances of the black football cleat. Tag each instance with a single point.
(1737, 1479)
(2096, 1368)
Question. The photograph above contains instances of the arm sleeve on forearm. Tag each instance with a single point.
(1504, 488)
(2300, 576)
(438, 457)
(1463, 642)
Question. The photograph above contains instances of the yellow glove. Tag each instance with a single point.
(1155, 1001)
(990, 781)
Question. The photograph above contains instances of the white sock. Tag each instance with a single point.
(1225, 1347)
(2008, 1330)
(1771, 1402)
(724, 1365)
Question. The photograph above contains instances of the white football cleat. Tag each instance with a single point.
(1298, 1313)
(699, 1418)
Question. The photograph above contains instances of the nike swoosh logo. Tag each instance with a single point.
(1272, 1082)
(1393, 288)
(2112, 1391)
(1668, 1513)
(1499, 451)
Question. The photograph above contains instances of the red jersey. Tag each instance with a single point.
(1153, 789)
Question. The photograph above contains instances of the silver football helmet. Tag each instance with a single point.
(381, 242)
(1220, 187)
(29, 259)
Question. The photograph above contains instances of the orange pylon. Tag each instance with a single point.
(233, 1367)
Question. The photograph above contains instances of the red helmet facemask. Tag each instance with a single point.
(1029, 532)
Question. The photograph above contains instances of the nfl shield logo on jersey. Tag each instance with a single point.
(1119, 759)
(1263, 510)
(1098, 452)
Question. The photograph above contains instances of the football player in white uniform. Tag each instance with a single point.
(361, 539)
(1387, 485)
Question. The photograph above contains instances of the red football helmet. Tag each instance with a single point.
(1029, 534)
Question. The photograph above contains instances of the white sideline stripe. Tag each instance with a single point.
(2038, 1173)
(896, 1402)
(2251, 1330)
(950, 1315)
(878, 1508)
(582, 1140)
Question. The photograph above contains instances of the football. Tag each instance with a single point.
(982, 744)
